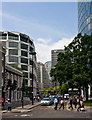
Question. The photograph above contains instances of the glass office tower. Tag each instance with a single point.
(85, 17)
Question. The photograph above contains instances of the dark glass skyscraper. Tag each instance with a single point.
(85, 17)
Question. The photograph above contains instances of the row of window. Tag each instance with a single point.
(23, 60)
(84, 8)
(87, 21)
(16, 37)
(16, 45)
(81, 19)
(86, 29)
(84, 17)
(15, 52)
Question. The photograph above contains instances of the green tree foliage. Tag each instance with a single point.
(75, 64)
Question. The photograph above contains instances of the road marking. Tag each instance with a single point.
(25, 115)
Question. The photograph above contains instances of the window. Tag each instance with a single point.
(3, 36)
(25, 74)
(3, 43)
(13, 37)
(31, 62)
(23, 53)
(31, 49)
(24, 67)
(13, 59)
(30, 75)
(13, 52)
(23, 60)
(23, 46)
(13, 44)
(24, 39)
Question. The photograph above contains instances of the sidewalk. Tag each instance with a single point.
(26, 108)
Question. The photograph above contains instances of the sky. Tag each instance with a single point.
(51, 25)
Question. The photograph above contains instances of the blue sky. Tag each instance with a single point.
(50, 24)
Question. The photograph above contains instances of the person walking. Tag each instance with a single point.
(81, 104)
(75, 101)
(38, 98)
(61, 103)
(71, 102)
(9, 105)
(56, 103)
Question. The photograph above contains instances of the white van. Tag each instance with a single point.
(66, 96)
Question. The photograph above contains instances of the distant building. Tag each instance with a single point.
(43, 76)
(48, 63)
(40, 75)
(46, 76)
(54, 56)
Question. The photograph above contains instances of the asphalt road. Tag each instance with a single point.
(48, 112)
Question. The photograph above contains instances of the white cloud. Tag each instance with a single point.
(44, 50)
(44, 41)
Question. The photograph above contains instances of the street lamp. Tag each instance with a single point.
(32, 53)
(22, 94)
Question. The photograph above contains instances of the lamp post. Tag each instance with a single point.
(22, 94)
(32, 53)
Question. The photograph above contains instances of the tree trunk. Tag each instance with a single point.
(87, 92)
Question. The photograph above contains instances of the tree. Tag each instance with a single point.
(75, 64)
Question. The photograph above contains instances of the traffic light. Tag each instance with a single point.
(9, 83)
(14, 84)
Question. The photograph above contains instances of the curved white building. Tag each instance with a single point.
(18, 48)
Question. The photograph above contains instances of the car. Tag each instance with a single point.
(46, 101)
(52, 99)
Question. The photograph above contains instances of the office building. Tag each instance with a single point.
(85, 26)
(43, 76)
(48, 63)
(54, 56)
(85, 17)
(18, 48)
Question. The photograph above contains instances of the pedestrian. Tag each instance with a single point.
(22, 101)
(81, 104)
(56, 103)
(71, 102)
(61, 103)
(34, 97)
(38, 98)
(75, 101)
(9, 105)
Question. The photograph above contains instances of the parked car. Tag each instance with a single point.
(46, 101)
(52, 99)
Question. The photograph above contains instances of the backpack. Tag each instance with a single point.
(62, 102)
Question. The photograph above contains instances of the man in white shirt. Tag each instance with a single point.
(55, 103)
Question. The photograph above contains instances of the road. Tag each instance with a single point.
(48, 112)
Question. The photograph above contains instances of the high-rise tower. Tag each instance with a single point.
(85, 17)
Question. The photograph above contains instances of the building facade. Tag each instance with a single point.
(2, 69)
(85, 26)
(18, 48)
(54, 56)
(85, 17)
(16, 77)
(48, 63)
(43, 76)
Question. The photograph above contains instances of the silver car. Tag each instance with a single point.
(46, 101)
